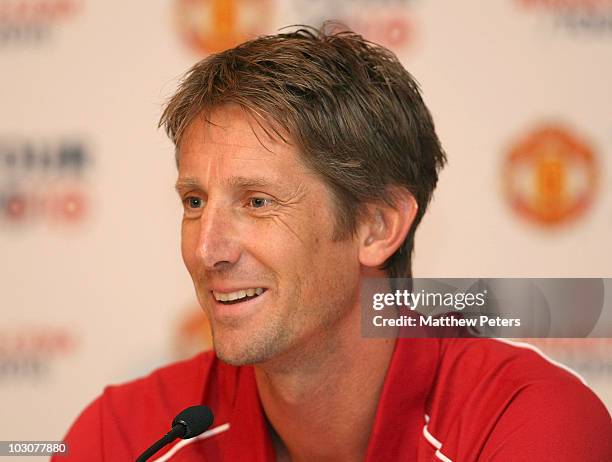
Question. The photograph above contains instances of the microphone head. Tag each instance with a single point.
(195, 419)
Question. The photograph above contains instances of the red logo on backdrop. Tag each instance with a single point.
(28, 352)
(44, 181)
(31, 21)
(550, 176)
(209, 26)
(386, 22)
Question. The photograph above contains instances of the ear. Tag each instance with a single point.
(384, 228)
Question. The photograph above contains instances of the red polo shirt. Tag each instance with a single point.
(443, 400)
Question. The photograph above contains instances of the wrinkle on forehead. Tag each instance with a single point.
(231, 136)
(224, 124)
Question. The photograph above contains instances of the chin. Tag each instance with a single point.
(238, 353)
(240, 349)
(238, 359)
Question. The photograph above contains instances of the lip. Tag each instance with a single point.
(228, 289)
(236, 311)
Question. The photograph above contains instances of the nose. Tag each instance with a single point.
(218, 243)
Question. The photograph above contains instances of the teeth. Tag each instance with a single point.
(237, 295)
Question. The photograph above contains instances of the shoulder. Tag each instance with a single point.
(180, 382)
(501, 398)
(497, 362)
(127, 417)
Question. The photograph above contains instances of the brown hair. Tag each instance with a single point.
(354, 113)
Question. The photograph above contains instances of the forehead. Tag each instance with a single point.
(229, 139)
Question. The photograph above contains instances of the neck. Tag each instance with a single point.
(321, 399)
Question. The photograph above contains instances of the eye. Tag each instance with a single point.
(192, 202)
(259, 202)
(192, 206)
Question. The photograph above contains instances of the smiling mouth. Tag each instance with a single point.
(231, 298)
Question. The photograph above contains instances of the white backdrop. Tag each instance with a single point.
(92, 287)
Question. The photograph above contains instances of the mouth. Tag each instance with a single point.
(237, 296)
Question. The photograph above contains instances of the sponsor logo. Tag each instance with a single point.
(572, 16)
(33, 21)
(386, 22)
(29, 352)
(209, 26)
(43, 181)
(550, 176)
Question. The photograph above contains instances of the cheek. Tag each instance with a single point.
(336, 264)
(314, 253)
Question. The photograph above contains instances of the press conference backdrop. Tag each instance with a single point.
(93, 290)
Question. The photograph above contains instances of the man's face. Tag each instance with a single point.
(257, 241)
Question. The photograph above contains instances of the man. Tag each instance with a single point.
(306, 161)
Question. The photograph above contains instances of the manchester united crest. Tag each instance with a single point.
(209, 26)
(550, 176)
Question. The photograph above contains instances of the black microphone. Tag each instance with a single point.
(188, 423)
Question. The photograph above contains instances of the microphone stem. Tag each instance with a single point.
(168, 438)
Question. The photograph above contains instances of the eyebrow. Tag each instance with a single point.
(234, 181)
(186, 183)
